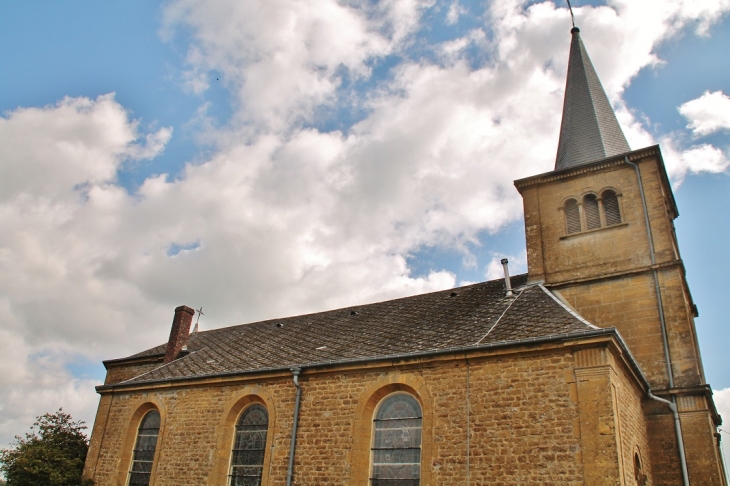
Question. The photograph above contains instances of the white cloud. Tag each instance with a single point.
(47, 151)
(693, 160)
(456, 10)
(707, 114)
(282, 58)
(517, 265)
(32, 382)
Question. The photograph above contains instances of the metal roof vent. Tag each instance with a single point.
(453, 294)
(279, 324)
(507, 282)
(353, 313)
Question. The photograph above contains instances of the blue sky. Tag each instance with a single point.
(363, 154)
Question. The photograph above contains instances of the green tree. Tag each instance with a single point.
(51, 454)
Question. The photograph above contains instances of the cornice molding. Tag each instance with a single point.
(616, 160)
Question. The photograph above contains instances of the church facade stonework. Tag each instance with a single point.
(586, 370)
(610, 277)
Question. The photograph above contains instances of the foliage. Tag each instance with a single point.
(51, 454)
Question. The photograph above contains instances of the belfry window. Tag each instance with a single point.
(572, 216)
(590, 207)
(249, 448)
(396, 447)
(144, 449)
(610, 208)
(592, 212)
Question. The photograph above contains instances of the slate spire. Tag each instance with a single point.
(589, 130)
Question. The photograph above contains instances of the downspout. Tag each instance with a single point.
(468, 420)
(673, 407)
(671, 404)
(290, 471)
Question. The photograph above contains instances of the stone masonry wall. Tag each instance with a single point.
(554, 256)
(629, 304)
(632, 430)
(515, 414)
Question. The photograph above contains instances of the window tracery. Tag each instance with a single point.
(249, 447)
(144, 449)
(396, 448)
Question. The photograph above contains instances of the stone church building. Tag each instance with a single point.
(585, 370)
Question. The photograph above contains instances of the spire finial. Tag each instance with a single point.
(572, 17)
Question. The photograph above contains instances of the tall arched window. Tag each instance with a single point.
(572, 216)
(396, 448)
(639, 470)
(610, 207)
(590, 207)
(249, 448)
(144, 449)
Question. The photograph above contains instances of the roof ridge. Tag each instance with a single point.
(564, 306)
(502, 315)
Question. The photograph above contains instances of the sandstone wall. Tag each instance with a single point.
(510, 419)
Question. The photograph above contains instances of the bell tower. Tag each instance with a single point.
(600, 235)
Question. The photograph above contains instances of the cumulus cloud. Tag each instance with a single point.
(283, 58)
(47, 151)
(707, 114)
(283, 218)
(694, 160)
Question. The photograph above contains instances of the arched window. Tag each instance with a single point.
(590, 206)
(639, 471)
(396, 448)
(249, 448)
(572, 216)
(144, 449)
(610, 208)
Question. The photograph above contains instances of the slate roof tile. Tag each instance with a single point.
(589, 130)
(454, 318)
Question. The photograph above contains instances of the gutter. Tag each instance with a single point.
(290, 470)
(673, 404)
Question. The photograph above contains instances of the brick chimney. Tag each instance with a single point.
(179, 332)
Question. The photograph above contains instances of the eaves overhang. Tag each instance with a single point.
(151, 358)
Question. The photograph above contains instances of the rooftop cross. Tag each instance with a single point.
(200, 313)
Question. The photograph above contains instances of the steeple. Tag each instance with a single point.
(589, 130)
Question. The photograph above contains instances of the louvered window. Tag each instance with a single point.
(610, 207)
(249, 448)
(590, 207)
(572, 216)
(144, 450)
(396, 449)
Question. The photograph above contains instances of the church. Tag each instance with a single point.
(586, 370)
